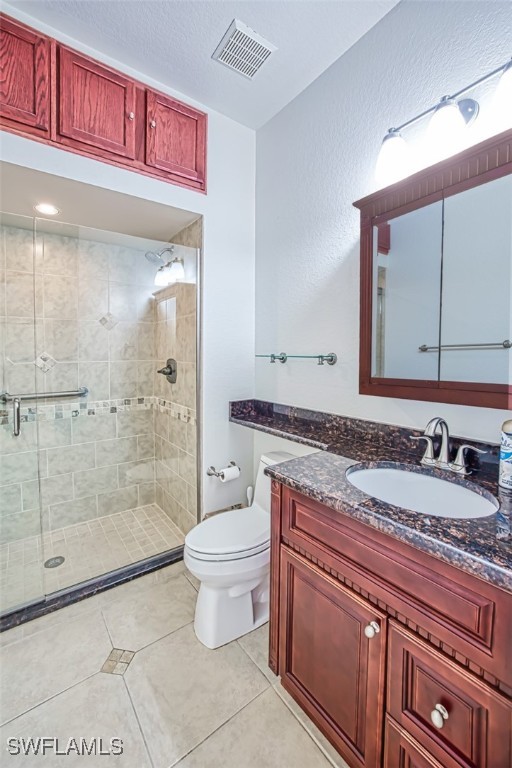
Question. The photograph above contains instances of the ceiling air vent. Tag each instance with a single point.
(243, 50)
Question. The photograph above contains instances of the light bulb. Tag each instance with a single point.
(394, 160)
(445, 130)
(502, 102)
(162, 277)
(176, 270)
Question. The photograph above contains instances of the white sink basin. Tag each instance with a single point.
(422, 493)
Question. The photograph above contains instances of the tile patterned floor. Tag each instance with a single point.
(175, 703)
(90, 549)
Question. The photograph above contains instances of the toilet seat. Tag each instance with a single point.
(232, 535)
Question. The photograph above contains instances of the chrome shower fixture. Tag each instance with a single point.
(156, 258)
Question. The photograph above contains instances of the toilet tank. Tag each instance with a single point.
(262, 488)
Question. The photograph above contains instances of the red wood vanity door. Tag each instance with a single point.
(96, 105)
(175, 138)
(328, 664)
(25, 76)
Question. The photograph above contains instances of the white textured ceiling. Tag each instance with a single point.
(173, 40)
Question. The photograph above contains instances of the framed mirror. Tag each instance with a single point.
(436, 282)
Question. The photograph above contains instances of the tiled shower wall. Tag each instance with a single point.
(95, 327)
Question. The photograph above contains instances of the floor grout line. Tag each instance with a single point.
(141, 729)
(218, 728)
(50, 698)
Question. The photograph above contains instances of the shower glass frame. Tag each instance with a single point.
(38, 408)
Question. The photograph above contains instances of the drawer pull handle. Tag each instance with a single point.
(372, 629)
(152, 123)
(131, 116)
(438, 715)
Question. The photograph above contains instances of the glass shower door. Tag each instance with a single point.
(21, 574)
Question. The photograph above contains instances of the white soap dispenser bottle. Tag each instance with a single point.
(505, 480)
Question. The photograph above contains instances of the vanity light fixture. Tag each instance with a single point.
(393, 162)
(162, 276)
(170, 273)
(448, 120)
(176, 270)
(447, 124)
(47, 209)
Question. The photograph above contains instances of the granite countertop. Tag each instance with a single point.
(479, 546)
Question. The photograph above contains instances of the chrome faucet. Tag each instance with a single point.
(443, 459)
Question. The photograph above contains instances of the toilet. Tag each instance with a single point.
(230, 555)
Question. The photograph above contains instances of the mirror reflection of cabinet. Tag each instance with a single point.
(436, 282)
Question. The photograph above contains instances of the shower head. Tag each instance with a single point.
(156, 258)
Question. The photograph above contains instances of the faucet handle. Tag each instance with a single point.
(459, 464)
(428, 457)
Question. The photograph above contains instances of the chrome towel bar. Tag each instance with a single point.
(82, 392)
(330, 358)
(506, 344)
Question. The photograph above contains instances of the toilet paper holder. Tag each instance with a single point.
(212, 472)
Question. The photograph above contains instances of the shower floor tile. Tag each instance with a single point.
(89, 550)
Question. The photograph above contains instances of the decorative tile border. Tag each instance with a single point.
(75, 409)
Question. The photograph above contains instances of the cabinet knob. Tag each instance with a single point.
(438, 715)
(131, 116)
(372, 629)
(152, 123)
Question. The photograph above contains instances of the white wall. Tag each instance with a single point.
(228, 266)
(313, 160)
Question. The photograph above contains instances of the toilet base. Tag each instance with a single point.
(223, 614)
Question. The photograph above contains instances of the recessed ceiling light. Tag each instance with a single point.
(47, 209)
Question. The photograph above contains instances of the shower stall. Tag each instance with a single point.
(98, 434)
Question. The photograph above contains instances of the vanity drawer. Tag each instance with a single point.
(467, 617)
(402, 751)
(473, 722)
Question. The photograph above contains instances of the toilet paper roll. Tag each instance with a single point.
(229, 473)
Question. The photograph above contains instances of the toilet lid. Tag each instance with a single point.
(233, 532)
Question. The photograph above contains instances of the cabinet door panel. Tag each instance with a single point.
(327, 663)
(25, 75)
(97, 105)
(477, 726)
(175, 137)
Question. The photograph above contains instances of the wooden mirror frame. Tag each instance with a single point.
(477, 165)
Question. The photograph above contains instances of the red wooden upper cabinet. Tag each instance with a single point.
(96, 105)
(176, 139)
(24, 77)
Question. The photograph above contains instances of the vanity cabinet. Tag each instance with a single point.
(356, 613)
(52, 93)
(25, 78)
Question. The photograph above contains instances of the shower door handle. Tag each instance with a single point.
(16, 412)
